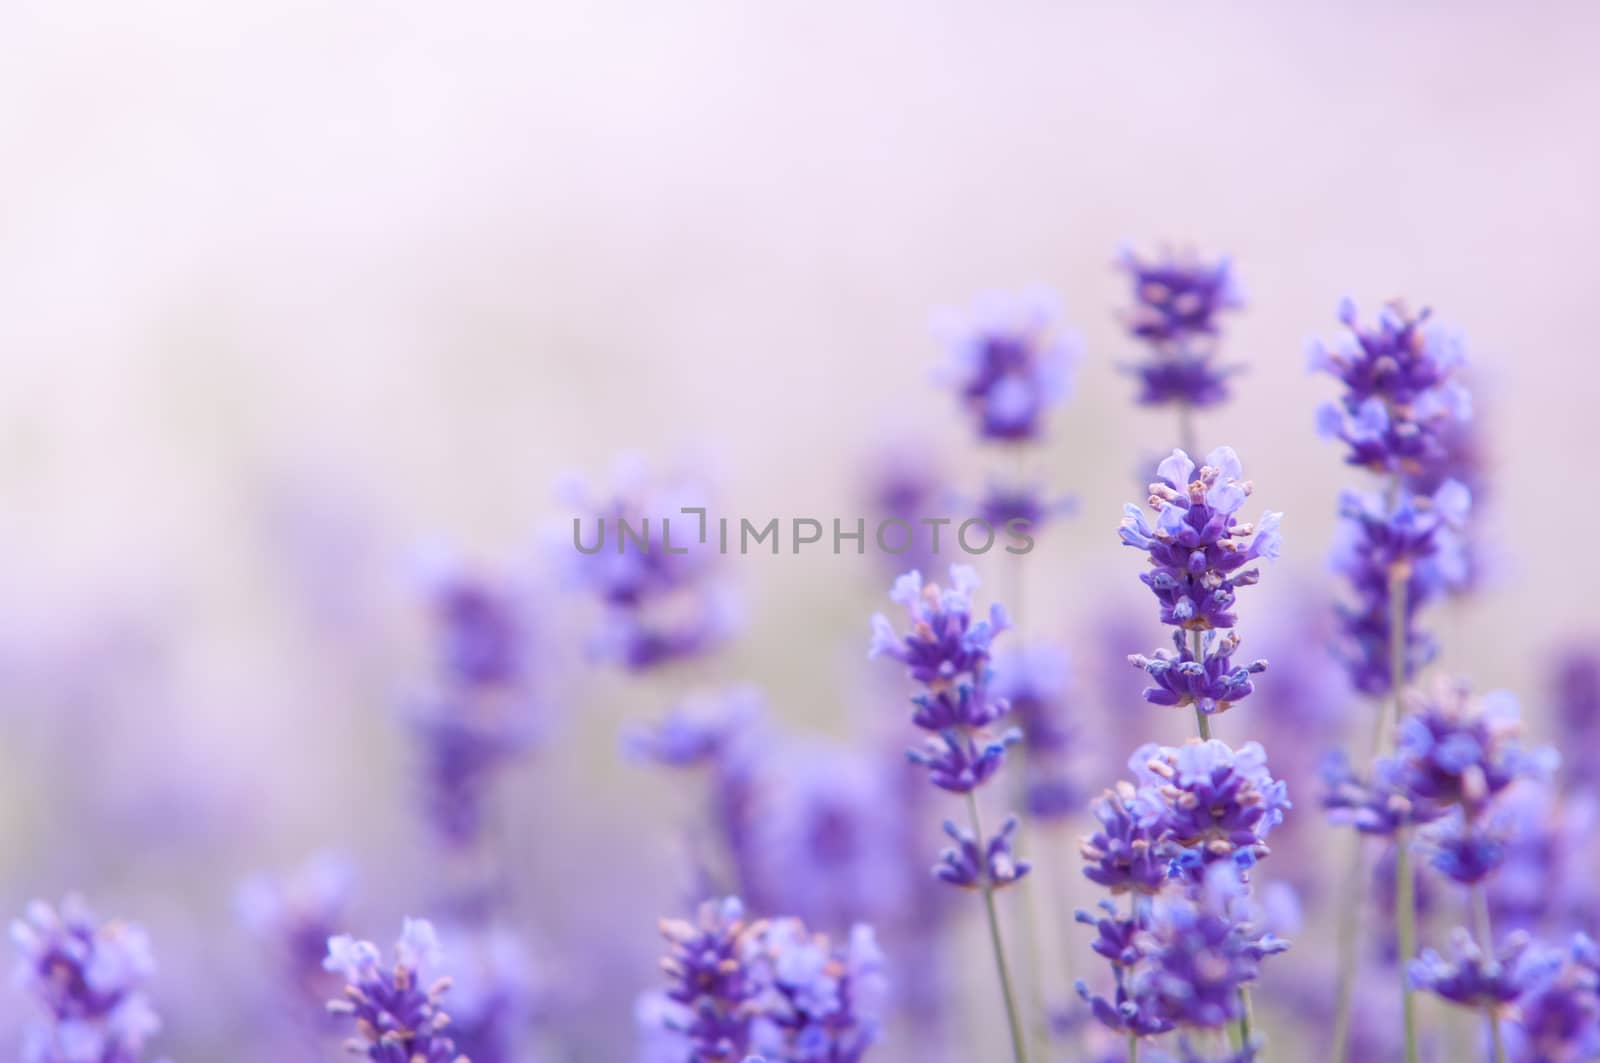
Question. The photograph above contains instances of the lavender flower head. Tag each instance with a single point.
(1010, 362)
(1212, 685)
(1126, 854)
(1400, 391)
(1473, 979)
(87, 978)
(1216, 804)
(294, 915)
(1381, 805)
(819, 1003)
(1457, 749)
(1177, 303)
(1576, 698)
(964, 866)
(711, 1001)
(1033, 680)
(697, 731)
(948, 653)
(651, 566)
(397, 1014)
(1198, 550)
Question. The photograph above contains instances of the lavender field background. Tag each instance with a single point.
(299, 300)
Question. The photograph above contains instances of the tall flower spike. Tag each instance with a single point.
(1198, 550)
(397, 1012)
(87, 978)
(1178, 301)
(1215, 803)
(1400, 390)
(713, 990)
(1010, 362)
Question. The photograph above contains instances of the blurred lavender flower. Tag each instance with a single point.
(1010, 362)
(493, 994)
(1545, 881)
(294, 915)
(654, 579)
(1408, 537)
(1576, 699)
(1197, 549)
(1400, 392)
(1028, 503)
(696, 731)
(713, 990)
(1456, 749)
(87, 978)
(1559, 1022)
(397, 1015)
(906, 484)
(1472, 979)
(818, 1003)
(1034, 681)
(481, 708)
(1380, 805)
(1178, 300)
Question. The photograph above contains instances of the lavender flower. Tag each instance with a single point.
(1033, 681)
(1126, 854)
(1028, 504)
(1454, 749)
(1198, 551)
(1576, 699)
(1010, 362)
(1213, 684)
(819, 1003)
(397, 1016)
(713, 990)
(87, 978)
(1381, 805)
(1472, 979)
(493, 994)
(964, 866)
(293, 916)
(1178, 300)
(696, 731)
(1399, 390)
(1559, 1022)
(1215, 803)
(653, 573)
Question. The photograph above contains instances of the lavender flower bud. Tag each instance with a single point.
(397, 1013)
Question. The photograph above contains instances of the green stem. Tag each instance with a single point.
(1202, 721)
(1485, 934)
(1244, 1017)
(1406, 931)
(1133, 1048)
(1019, 1049)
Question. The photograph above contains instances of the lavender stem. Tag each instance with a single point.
(1019, 1049)
(1405, 884)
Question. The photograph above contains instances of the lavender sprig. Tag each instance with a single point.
(396, 1010)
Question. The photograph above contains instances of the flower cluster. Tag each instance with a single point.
(87, 978)
(1177, 303)
(767, 987)
(294, 915)
(480, 709)
(1411, 545)
(396, 1010)
(1010, 362)
(1400, 394)
(1199, 555)
(1210, 802)
(1180, 963)
(947, 652)
(650, 567)
(1033, 681)
(1473, 978)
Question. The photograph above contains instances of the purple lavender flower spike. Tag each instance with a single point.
(696, 731)
(819, 1003)
(1002, 504)
(1455, 749)
(1400, 390)
(294, 915)
(944, 643)
(493, 994)
(1125, 854)
(1472, 979)
(1178, 301)
(1010, 362)
(1576, 699)
(1466, 850)
(397, 1012)
(1381, 805)
(87, 979)
(1212, 685)
(1559, 1022)
(1034, 681)
(1198, 550)
(962, 865)
(713, 988)
(959, 762)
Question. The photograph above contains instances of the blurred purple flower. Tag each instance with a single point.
(1010, 362)
(964, 866)
(1177, 303)
(818, 1003)
(1472, 979)
(293, 915)
(712, 997)
(87, 978)
(1213, 684)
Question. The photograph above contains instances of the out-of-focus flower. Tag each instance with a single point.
(1400, 389)
(1559, 1022)
(397, 1012)
(1378, 805)
(1411, 539)
(1010, 362)
(1198, 551)
(696, 731)
(1034, 681)
(1457, 749)
(88, 979)
(493, 994)
(964, 866)
(907, 485)
(1215, 803)
(294, 915)
(1003, 503)
(818, 1003)
(1473, 979)
(1545, 882)
(1576, 699)
(1178, 300)
(651, 566)
(713, 990)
